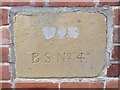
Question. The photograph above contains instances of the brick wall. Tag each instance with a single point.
(7, 60)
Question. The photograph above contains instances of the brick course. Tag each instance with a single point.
(109, 2)
(22, 3)
(81, 85)
(116, 35)
(4, 52)
(5, 73)
(116, 53)
(117, 16)
(35, 85)
(4, 36)
(113, 70)
(113, 84)
(71, 3)
(4, 14)
(5, 85)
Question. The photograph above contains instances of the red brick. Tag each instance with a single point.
(60, 4)
(4, 52)
(15, 2)
(109, 2)
(37, 3)
(5, 58)
(4, 16)
(113, 70)
(116, 35)
(4, 36)
(5, 73)
(22, 3)
(117, 17)
(5, 85)
(71, 3)
(35, 85)
(113, 84)
(81, 85)
(116, 53)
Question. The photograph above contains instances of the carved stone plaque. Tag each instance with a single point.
(67, 44)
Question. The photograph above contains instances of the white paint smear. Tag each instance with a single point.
(61, 32)
(73, 32)
(49, 32)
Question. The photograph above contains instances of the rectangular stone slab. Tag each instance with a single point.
(66, 44)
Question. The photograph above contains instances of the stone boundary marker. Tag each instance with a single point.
(108, 77)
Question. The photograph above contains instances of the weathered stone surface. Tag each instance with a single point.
(44, 50)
